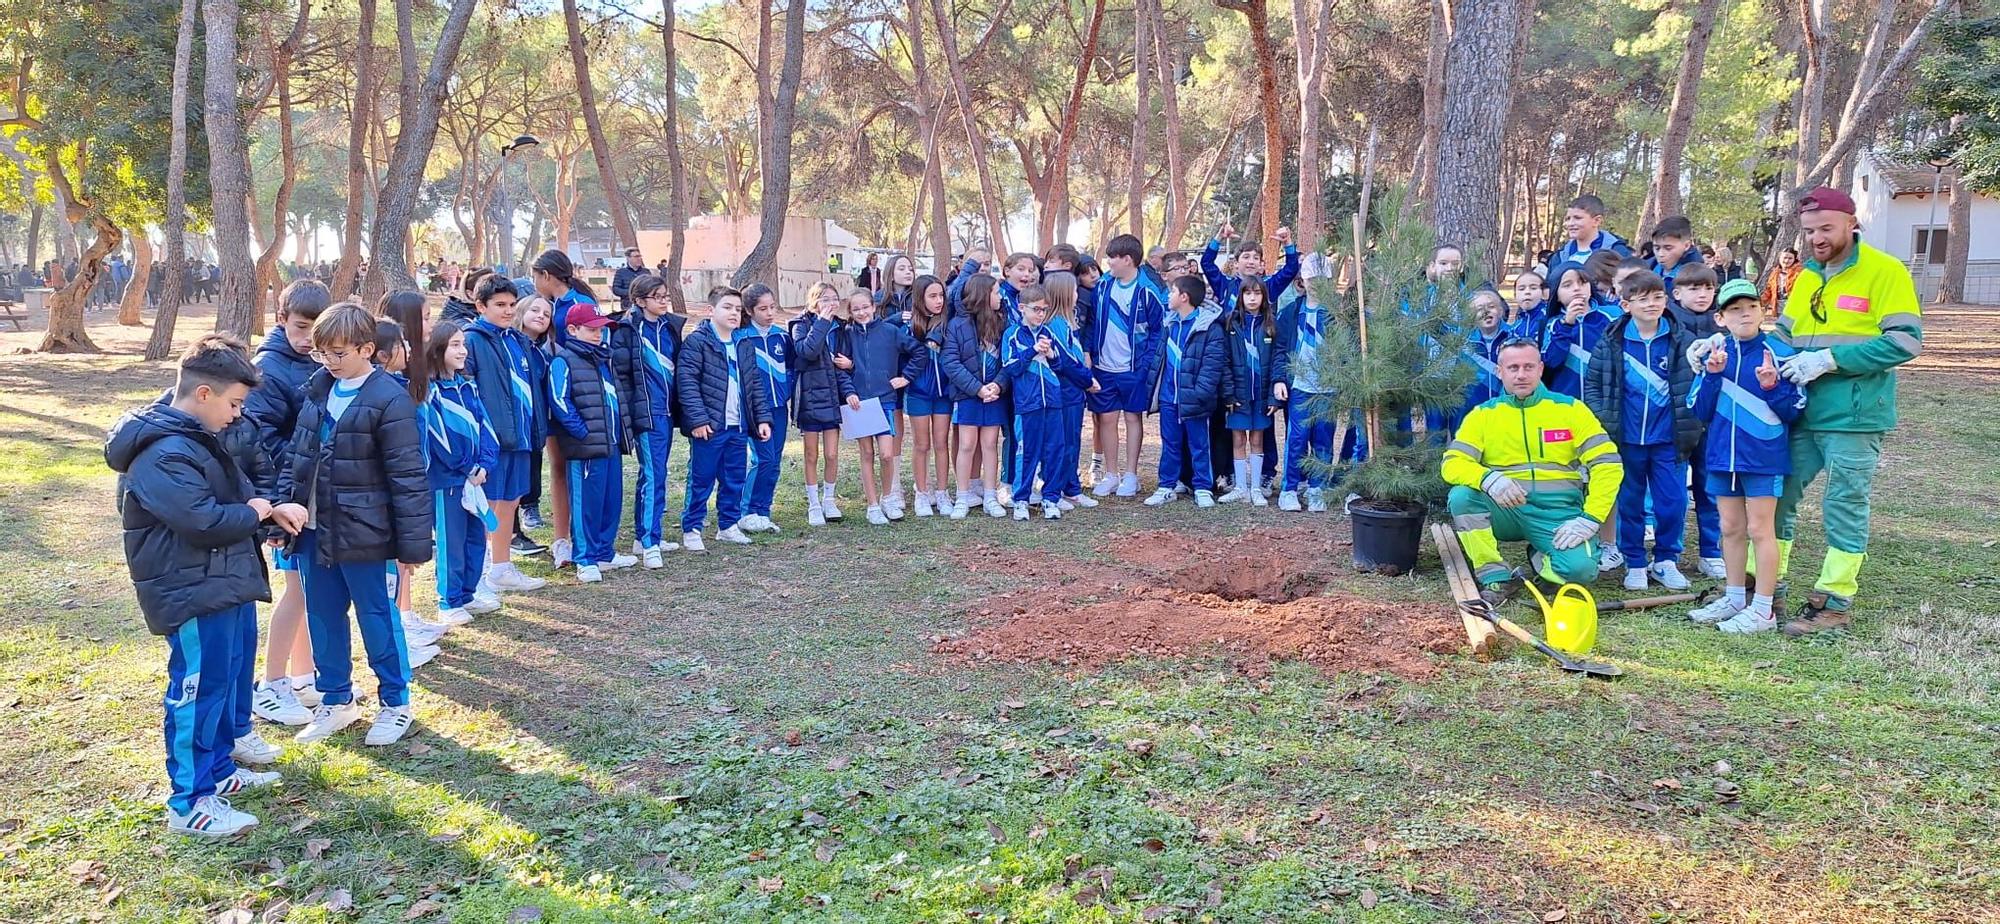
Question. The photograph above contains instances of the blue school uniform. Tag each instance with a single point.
(771, 347)
(589, 411)
(970, 366)
(1689, 257)
(930, 394)
(1747, 446)
(1124, 342)
(1566, 347)
(1192, 376)
(659, 355)
(1302, 327)
(880, 351)
(1646, 445)
(1075, 392)
(719, 388)
(1571, 252)
(1250, 350)
(1529, 323)
(1225, 288)
(1037, 386)
(822, 386)
(458, 441)
(500, 362)
(1482, 353)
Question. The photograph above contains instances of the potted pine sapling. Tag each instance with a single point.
(1392, 354)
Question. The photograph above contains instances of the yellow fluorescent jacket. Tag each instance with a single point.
(1546, 441)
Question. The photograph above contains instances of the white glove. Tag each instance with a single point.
(1697, 352)
(1804, 367)
(1505, 491)
(1574, 533)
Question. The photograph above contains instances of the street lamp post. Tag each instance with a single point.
(506, 202)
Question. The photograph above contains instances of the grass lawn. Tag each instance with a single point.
(767, 734)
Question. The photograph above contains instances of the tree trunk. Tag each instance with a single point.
(66, 332)
(398, 201)
(228, 169)
(1810, 116)
(168, 302)
(1864, 77)
(1478, 93)
(1958, 236)
(1051, 226)
(1309, 24)
(927, 126)
(1664, 198)
(34, 227)
(358, 180)
(1142, 113)
(777, 198)
(600, 148)
(1433, 119)
(132, 310)
(1168, 61)
(677, 180)
(268, 283)
(996, 229)
(1256, 13)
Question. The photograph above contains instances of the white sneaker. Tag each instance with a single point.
(1021, 510)
(480, 606)
(561, 552)
(1669, 575)
(830, 508)
(733, 534)
(958, 511)
(273, 701)
(589, 574)
(1104, 486)
(876, 517)
(814, 516)
(1235, 495)
(328, 719)
(1257, 499)
(1749, 622)
(1064, 505)
(923, 504)
(1315, 500)
(1051, 511)
(1083, 500)
(618, 561)
(1610, 559)
(941, 499)
(246, 778)
(506, 577)
(692, 542)
(652, 560)
(390, 724)
(211, 816)
(1717, 610)
(417, 632)
(421, 655)
(1289, 502)
(1714, 568)
(892, 505)
(752, 523)
(1635, 579)
(1204, 499)
(456, 616)
(1129, 485)
(1159, 496)
(993, 508)
(253, 749)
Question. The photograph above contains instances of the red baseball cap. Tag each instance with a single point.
(585, 316)
(1828, 199)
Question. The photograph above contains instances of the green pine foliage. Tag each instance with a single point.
(1415, 327)
(1961, 82)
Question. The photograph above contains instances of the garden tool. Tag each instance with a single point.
(1484, 611)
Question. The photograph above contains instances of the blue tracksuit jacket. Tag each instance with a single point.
(1747, 426)
(1225, 288)
(458, 438)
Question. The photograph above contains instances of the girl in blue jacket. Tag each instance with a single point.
(884, 359)
(1528, 316)
(928, 401)
(1035, 366)
(460, 450)
(971, 359)
(1249, 329)
(772, 347)
(1065, 325)
(822, 387)
(1574, 332)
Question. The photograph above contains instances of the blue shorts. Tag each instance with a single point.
(1733, 484)
(1119, 391)
(973, 412)
(917, 405)
(1248, 420)
(509, 477)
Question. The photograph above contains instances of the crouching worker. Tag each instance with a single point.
(1535, 465)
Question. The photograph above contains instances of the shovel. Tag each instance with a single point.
(1644, 603)
(1480, 609)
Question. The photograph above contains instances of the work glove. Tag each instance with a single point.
(1505, 491)
(1697, 352)
(1805, 367)
(1574, 533)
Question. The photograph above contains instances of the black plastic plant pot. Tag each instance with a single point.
(1387, 535)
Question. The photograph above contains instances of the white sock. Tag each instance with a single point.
(812, 497)
(1242, 474)
(1256, 471)
(301, 680)
(1097, 461)
(1736, 596)
(1760, 605)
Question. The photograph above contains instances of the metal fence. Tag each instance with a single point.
(1982, 281)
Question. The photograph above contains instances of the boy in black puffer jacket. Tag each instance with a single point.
(356, 482)
(192, 517)
(594, 420)
(722, 402)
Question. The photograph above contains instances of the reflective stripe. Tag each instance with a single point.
(1466, 449)
(1785, 324)
(1592, 443)
(1821, 341)
(1901, 319)
(1555, 487)
(1487, 571)
(1555, 467)
(1472, 521)
(1910, 344)
(1609, 458)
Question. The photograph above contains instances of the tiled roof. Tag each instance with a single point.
(1906, 176)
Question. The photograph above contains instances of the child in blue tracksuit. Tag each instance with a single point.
(1249, 399)
(1691, 306)
(1674, 251)
(460, 449)
(971, 358)
(1309, 421)
(1748, 409)
(927, 402)
(1574, 330)
(771, 346)
(885, 358)
(1226, 288)
(508, 373)
(723, 407)
(822, 388)
(1191, 378)
(592, 431)
(1637, 386)
(1528, 316)
(1064, 292)
(1482, 350)
(1035, 366)
(1122, 342)
(191, 522)
(659, 331)
(357, 465)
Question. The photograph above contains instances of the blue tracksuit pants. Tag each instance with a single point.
(461, 548)
(1010, 440)
(1353, 443)
(1178, 433)
(717, 466)
(596, 489)
(767, 459)
(1307, 432)
(1042, 447)
(649, 501)
(1654, 470)
(209, 662)
(1707, 517)
(331, 591)
(1072, 434)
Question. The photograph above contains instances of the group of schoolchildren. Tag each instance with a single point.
(1678, 370)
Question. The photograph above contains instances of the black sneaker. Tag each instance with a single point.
(526, 546)
(531, 518)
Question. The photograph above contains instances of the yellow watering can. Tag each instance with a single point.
(1571, 619)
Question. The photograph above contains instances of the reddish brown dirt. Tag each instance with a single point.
(1258, 603)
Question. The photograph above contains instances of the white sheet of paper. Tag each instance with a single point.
(871, 420)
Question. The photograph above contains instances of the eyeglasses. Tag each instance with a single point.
(335, 355)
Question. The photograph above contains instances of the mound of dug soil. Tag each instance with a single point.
(1257, 602)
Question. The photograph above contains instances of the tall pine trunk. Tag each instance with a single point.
(761, 263)
(389, 237)
(1478, 93)
(1309, 24)
(1257, 14)
(1433, 117)
(268, 283)
(161, 343)
(358, 117)
(1142, 112)
(1050, 227)
(1664, 197)
(1169, 65)
(66, 333)
(1864, 77)
(228, 170)
(600, 148)
(132, 309)
(989, 197)
(677, 181)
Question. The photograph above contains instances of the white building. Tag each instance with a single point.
(1900, 217)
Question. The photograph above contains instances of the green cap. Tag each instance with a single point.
(1735, 289)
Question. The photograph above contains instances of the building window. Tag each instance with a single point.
(1931, 244)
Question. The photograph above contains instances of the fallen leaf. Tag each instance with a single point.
(721, 708)
(1721, 768)
(839, 763)
(1014, 704)
(825, 851)
(302, 824)
(1153, 845)
(418, 750)
(84, 871)
(814, 819)
(317, 847)
(1554, 916)
(526, 914)
(793, 738)
(1369, 899)
(1058, 732)
(339, 900)
(770, 883)
(111, 895)
(1667, 782)
(232, 916)
(420, 908)
(993, 831)
(1139, 746)
(1038, 832)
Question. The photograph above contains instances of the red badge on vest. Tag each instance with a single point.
(1555, 436)
(1854, 303)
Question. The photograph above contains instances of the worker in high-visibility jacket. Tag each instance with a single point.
(1851, 319)
(1535, 465)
